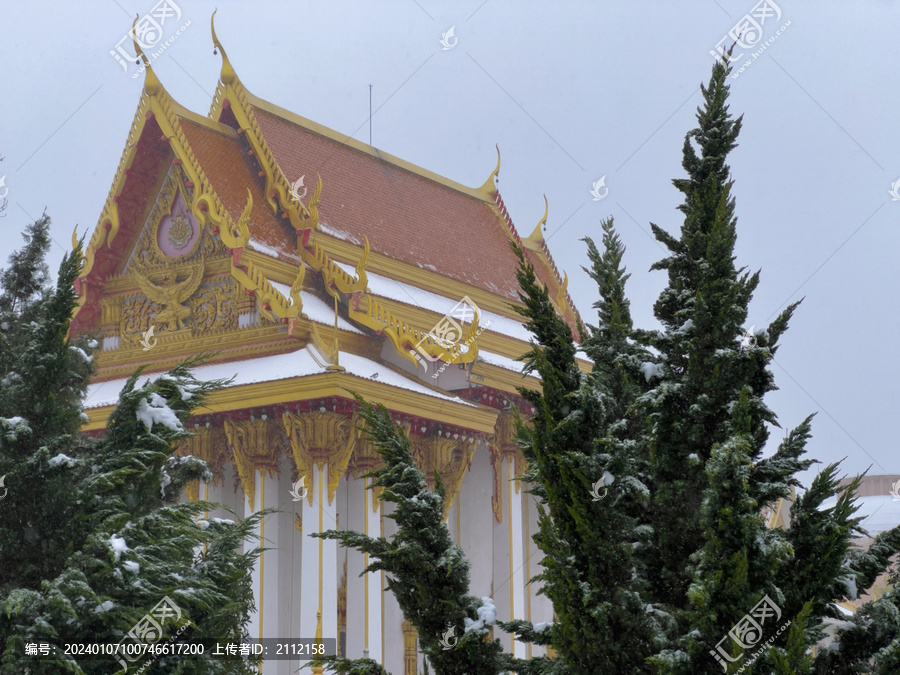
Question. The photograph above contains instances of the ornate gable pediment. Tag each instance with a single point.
(172, 287)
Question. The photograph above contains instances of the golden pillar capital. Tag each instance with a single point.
(319, 438)
(503, 444)
(205, 443)
(255, 444)
(449, 458)
(365, 459)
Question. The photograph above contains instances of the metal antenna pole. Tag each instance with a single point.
(370, 114)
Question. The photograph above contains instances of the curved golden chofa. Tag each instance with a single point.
(296, 287)
(228, 74)
(537, 236)
(152, 85)
(362, 279)
(237, 235)
(490, 185)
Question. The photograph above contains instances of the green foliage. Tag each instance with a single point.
(92, 536)
(652, 579)
(426, 572)
(573, 441)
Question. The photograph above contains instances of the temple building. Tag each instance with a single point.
(314, 265)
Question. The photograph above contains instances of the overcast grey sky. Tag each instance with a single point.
(571, 91)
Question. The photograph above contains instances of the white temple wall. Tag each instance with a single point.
(476, 520)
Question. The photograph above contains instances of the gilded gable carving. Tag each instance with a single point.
(211, 308)
(171, 232)
(214, 306)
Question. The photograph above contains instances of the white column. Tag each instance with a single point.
(509, 559)
(363, 592)
(476, 519)
(392, 623)
(517, 552)
(254, 625)
(318, 574)
(540, 607)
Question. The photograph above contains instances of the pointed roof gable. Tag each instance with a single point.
(239, 164)
(222, 157)
(405, 212)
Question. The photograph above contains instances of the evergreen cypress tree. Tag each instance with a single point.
(91, 534)
(587, 474)
(427, 573)
(708, 430)
(691, 433)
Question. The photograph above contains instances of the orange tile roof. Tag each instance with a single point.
(230, 172)
(404, 215)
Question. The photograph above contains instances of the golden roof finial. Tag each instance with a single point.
(151, 84)
(537, 237)
(227, 75)
(490, 185)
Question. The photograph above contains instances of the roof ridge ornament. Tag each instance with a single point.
(227, 74)
(490, 185)
(152, 85)
(536, 237)
(237, 235)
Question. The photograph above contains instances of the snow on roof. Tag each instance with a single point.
(879, 512)
(503, 362)
(338, 234)
(257, 245)
(316, 309)
(270, 368)
(411, 295)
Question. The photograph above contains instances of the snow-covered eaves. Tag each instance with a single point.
(503, 362)
(392, 289)
(257, 245)
(275, 367)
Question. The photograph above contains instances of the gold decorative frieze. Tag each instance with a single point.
(214, 307)
(211, 308)
(137, 312)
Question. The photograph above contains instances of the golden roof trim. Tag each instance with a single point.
(535, 240)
